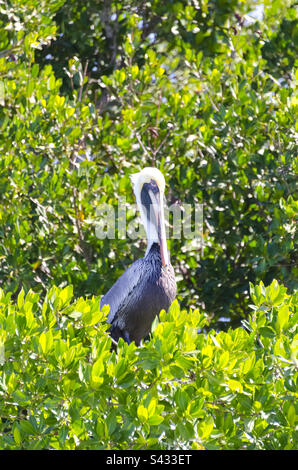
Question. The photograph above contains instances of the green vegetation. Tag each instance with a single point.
(62, 388)
(90, 92)
(189, 86)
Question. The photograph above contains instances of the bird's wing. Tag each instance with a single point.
(120, 292)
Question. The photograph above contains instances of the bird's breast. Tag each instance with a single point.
(139, 295)
(156, 292)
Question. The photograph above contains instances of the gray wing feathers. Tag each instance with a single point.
(122, 289)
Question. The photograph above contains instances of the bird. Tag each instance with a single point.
(148, 285)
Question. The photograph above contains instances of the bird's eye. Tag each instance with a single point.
(153, 186)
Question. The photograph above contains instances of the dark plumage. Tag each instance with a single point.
(139, 295)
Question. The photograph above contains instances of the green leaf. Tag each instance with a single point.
(224, 359)
(155, 420)
(111, 422)
(35, 70)
(204, 428)
(195, 407)
(66, 294)
(26, 428)
(282, 317)
(185, 430)
(101, 429)
(235, 385)
(21, 299)
(46, 341)
(97, 372)
(51, 83)
(142, 413)
(291, 415)
(181, 399)
(17, 435)
(91, 318)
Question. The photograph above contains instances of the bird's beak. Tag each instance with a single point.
(159, 220)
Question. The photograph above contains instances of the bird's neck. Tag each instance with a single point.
(150, 244)
(153, 251)
(151, 232)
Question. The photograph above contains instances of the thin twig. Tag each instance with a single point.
(162, 143)
(140, 141)
(84, 75)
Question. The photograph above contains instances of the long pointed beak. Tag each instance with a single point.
(157, 205)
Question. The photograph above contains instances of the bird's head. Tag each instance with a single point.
(149, 187)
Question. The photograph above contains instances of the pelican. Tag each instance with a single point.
(148, 285)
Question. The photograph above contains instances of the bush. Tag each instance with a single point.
(61, 387)
(190, 87)
(91, 92)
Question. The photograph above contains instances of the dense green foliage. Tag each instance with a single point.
(62, 388)
(93, 91)
(90, 92)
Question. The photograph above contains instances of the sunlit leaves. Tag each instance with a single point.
(208, 95)
(232, 390)
(183, 87)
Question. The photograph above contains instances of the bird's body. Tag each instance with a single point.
(139, 295)
(148, 285)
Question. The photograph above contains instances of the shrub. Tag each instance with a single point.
(61, 386)
(193, 88)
